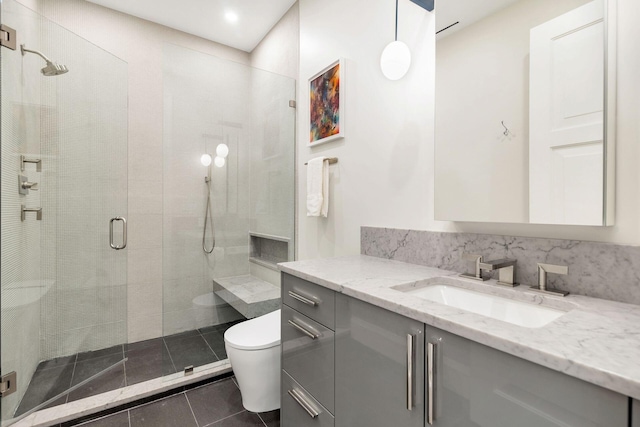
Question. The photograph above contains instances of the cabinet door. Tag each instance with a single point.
(478, 386)
(372, 372)
(635, 414)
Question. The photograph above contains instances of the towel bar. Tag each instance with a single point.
(332, 160)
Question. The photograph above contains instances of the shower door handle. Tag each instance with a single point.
(124, 233)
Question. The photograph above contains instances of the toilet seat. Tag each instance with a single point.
(255, 334)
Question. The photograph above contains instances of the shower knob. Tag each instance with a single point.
(24, 185)
(30, 186)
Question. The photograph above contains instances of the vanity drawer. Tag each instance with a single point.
(312, 300)
(308, 355)
(298, 407)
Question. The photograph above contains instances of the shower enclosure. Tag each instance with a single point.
(67, 316)
(63, 287)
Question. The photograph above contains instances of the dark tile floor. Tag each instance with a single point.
(217, 404)
(146, 360)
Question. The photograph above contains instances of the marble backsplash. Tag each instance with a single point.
(599, 270)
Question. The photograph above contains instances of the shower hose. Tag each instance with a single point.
(208, 214)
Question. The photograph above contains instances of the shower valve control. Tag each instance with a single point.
(24, 185)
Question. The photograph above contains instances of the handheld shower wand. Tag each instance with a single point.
(208, 213)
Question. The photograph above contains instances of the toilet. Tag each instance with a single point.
(253, 348)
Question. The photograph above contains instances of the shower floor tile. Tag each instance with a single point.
(146, 360)
(212, 405)
(215, 340)
(45, 384)
(189, 351)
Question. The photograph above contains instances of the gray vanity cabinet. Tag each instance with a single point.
(375, 366)
(635, 414)
(477, 386)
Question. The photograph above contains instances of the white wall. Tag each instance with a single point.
(383, 170)
(20, 241)
(278, 52)
(385, 174)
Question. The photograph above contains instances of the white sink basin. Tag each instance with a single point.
(507, 310)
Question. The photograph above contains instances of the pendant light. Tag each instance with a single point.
(396, 57)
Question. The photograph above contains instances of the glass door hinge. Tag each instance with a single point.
(8, 37)
(8, 384)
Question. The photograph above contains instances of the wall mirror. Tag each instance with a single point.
(525, 111)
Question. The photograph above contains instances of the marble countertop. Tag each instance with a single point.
(596, 340)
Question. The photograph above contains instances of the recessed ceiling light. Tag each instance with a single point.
(231, 16)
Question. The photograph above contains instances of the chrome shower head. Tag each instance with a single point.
(51, 69)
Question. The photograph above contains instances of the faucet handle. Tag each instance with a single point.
(476, 259)
(33, 186)
(552, 268)
(543, 269)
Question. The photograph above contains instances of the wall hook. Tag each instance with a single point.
(506, 130)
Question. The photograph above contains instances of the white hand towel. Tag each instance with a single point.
(318, 187)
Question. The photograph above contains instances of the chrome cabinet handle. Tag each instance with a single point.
(430, 380)
(410, 355)
(302, 299)
(124, 233)
(297, 396)
(307, 332)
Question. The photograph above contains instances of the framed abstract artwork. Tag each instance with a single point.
(326, 104)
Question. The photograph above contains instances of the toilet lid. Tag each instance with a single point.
(255, 334)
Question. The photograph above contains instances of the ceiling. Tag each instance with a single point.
(206, 18)
(466, 12)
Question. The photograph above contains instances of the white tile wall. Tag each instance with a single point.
(20, 241)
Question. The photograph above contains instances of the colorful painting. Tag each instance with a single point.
(325, 97)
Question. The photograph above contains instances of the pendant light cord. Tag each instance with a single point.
(396, 20)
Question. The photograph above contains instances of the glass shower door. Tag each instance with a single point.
(63, 268)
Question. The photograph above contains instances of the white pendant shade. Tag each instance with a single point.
(395, 60)
(219, 161)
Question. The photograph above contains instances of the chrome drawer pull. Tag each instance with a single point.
(302, 299)
(311, 334)
(295, 394)
(431, 348)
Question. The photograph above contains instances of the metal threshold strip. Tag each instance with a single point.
(58, 396)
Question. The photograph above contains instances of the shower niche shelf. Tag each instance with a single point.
(267, 250)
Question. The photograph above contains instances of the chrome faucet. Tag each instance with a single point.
(506, 270)
(543, 269)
